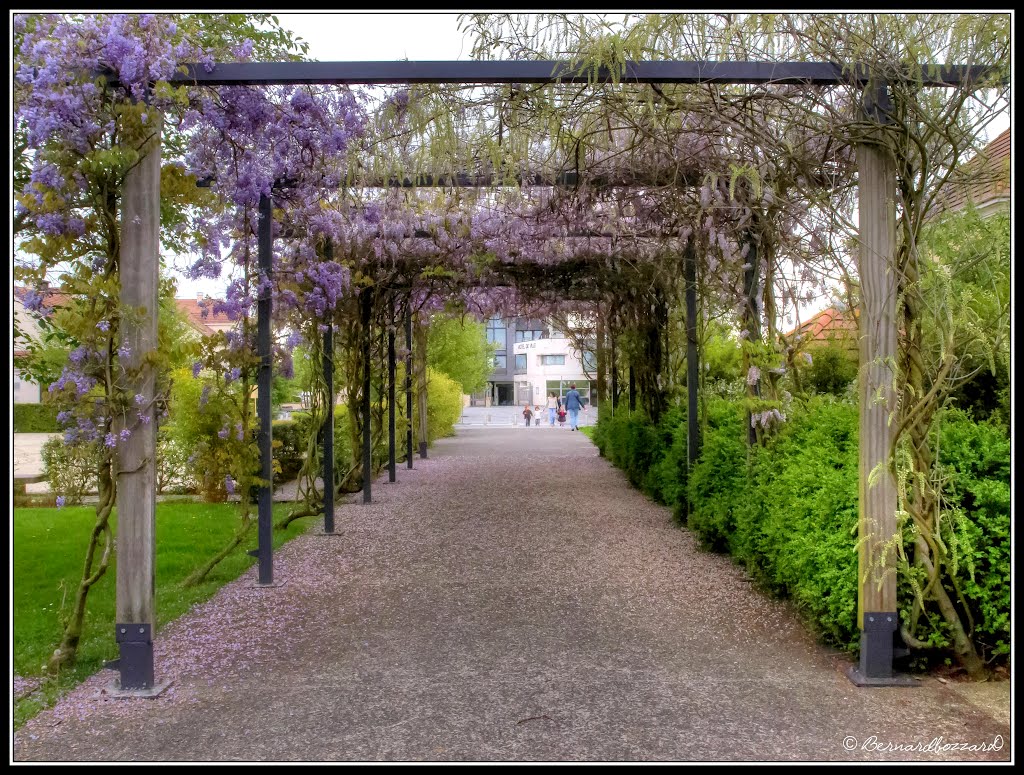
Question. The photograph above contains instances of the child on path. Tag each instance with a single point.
(561, 417)
(527, 414)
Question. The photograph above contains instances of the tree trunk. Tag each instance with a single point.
(67, 651)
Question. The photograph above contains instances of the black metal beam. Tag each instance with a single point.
(265, 550)
(547, 71)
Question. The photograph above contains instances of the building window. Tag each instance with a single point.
(529, 336)
(496, 333)
(552, 360)
(521, 362)
(500, 362)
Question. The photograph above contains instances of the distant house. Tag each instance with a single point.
(27, 332)
(831, 326)
(199, 313)
(984, 181)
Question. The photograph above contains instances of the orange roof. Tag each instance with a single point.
(983, 179)
(200, 314)
(51, 298)
(830, 323)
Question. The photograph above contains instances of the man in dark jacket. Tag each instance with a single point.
(573, 404)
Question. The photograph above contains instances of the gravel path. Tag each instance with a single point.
(512, 598)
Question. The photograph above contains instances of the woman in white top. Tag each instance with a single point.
(553, 404)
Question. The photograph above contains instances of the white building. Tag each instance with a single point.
(550, 365)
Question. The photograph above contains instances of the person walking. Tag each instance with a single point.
(553, 404)
(573, 404)
(527, 414)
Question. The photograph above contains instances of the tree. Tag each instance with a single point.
(459, 348)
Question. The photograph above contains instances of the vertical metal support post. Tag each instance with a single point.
(615, 372)
(391, 396)
(692, 357)
(752, 315)
(632, 389)
(265, 550)
(366, 306)
(876, 573)
(329, 430)
(601, 365)
(408, 383)
(136, 455)
(421, 386)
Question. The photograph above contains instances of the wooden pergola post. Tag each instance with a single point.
(136, 455)
(876, 589)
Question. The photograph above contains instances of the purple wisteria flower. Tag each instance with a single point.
(103, 325)
(229, 484)
(223, 432)
(124, 351)
(60, 501)
(753, 375)
(125, 434)
(110, 440)
(140, 399)
(196, 368)
(204, 396)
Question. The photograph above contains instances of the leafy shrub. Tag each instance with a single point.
(717, 482)
(832, 368)
(36, 418)
(790, 515)
(796, 530)
(173, 471)
(975, 460)
(444, 405)
(290, 438)
(70, 469)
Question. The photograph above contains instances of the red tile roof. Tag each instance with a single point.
(983, 179)
(830, 323)
(200, 314)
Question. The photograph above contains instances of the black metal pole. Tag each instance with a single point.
(367, 307)
(408, 383)
(391, 398)
(615, 372)
(632, 389)
(692, 357)
(265, 549)
(753, 327)
(329, 430)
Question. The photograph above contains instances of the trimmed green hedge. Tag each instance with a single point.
(35, 418)
(788, 510)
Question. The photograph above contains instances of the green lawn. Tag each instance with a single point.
(588, 431)
(49, 549)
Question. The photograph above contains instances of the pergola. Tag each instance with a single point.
(140, 230)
